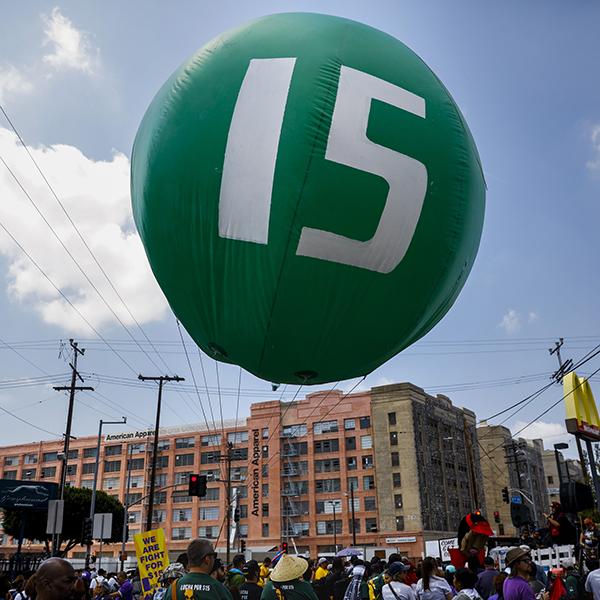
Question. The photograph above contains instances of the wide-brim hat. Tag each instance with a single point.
(289, 568)
(514, 554)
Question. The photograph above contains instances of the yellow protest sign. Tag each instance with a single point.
(152, 558)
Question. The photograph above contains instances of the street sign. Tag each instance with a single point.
(516, 500)
(21, 494)
(400, 540)
(103, 526)
(55, 517)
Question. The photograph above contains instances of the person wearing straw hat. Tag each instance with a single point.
(516, 586)
(286, 581)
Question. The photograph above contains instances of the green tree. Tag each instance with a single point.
(77, 508)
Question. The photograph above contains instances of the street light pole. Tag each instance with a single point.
(95, 480)
(125, 507)
(352, 511)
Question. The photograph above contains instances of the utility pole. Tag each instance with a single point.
(563, 368)
(228, 502)
(161, 379)
(72, 389)
(470, 460)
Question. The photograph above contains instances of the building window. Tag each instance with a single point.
(243, 508)
(71, 469)
(182, 478)
(370, 503)
(327, 446)
(350, 443)
(265, 433)
(352, 483)
(397, 480)
(10, 474)
(265, 509)
(134, 517)
(209, 513)
(326, 527)
(241, 491)
(325, 486)
(181, 533)
(161, 480)
(239, 454)
(136, 481)
(356, 526)
(397, 500)
(391, 418)
(265, 490)
(367, 462)
(182, 514)
(184, 460)
(239, 473)
(210, 440)
(30, 459)
(186, 442)
(399, 523)
(87, 484)
(265, 530)
(327, 466)
(237, 437)
(162, 462)
(365, 422)
(294, 430)
(162, 445)
(265, 470)
(139, 448)
(395, 459)
(133, 498)
(137, 464)
(73, 454)
(112, 450)
(243, 531)
(325, 507)
(325, 427)
(110, 483)
(294, 449)
(366, 442)
(29, 473)
(180, 498)
(207, 458)
(351, 463)
(49, 456)
(371, 524)
(49, 471)
(368, 482)
(393, 438)
(90, 452)
(208, 532)
(112, 466)
(265, 451)
(349, 424)
(550, 479)
(160, 498)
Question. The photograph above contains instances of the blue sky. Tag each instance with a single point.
(76, 78)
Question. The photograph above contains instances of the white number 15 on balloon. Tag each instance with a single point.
(251, 153)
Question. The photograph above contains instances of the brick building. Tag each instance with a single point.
(409, 460)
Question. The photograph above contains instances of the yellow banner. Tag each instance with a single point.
(581, 411)
(152, 558)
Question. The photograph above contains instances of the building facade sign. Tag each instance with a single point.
(129, 435)
(401, 540)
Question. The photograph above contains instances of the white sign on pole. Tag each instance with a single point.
(55, 517)
(102, 526)
(400, 540)
(445, 545)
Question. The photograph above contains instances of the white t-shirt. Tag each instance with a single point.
(98, 579)
(438, 588)
(403, 591)
(592, 583)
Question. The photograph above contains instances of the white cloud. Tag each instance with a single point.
(71, 48)
(532, 317)
(13, 82)
(594, 163)
(96, 196)
(541, 429)
(511, 322)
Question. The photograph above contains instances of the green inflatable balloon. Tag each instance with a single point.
(309, 197)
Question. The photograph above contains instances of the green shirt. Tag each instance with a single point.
(291, 590)
(203, 587)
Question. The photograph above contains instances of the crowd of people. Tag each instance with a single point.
(199, 574)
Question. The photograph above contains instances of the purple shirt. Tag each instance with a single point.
(516, 588)
(126, 590)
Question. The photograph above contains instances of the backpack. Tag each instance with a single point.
(572, 587)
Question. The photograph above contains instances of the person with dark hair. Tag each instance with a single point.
(562, 530)
(464, 582)
(474, 565)
(498, 583)
(432, 586)
(250, 590)
(4, 587)
(218, 570)
(197, 584)
(485, 579)
(516, 586)
(324, 588)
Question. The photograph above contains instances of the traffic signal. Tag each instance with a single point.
(197, 485)
(242, 545)
(496, 516)
(87, 534)
(236, 515)
(505, 497)
(284, 547)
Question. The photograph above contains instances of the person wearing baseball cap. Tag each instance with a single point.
(321, 571)
(516, 586)
(286, 582)
(397, 589)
